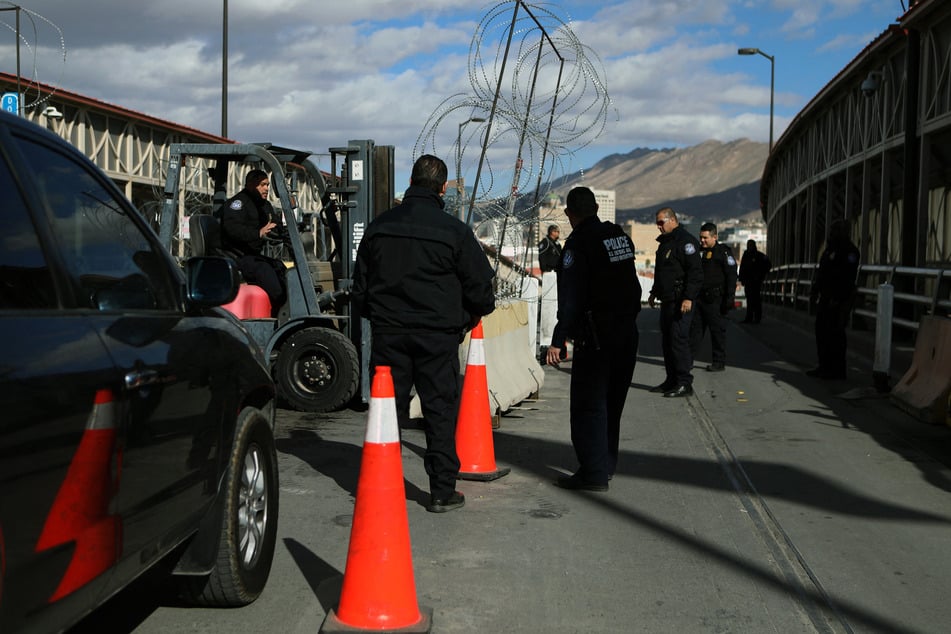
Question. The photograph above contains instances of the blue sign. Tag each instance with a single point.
(10, 102)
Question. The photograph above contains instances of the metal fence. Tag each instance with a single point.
(888, 297)
(916, 291)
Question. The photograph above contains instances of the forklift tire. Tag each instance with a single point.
(317, 370)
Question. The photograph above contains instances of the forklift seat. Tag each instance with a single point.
(205, 234)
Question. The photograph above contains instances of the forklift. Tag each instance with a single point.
(317, 352)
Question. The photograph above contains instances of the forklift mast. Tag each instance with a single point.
(365, 190)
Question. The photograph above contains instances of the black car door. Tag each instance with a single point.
(59, 536)
(130, 293)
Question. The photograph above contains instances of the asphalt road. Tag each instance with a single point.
(767, 502)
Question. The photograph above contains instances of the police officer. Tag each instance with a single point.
(678, 278)
(599, 297)
(754, 266)
(422, 280)
(549, 250)
(247, 219)
(832, 292)
(716, 296)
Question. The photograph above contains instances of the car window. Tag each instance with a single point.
(114, 264)
(25, 279)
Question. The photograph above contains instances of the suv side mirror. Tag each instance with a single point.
(212, 281)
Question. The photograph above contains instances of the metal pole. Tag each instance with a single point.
(224, 70)
(460, 189)
(772, 95)
(19, 95)
(772, 84)
(881, 368)
(17, 9)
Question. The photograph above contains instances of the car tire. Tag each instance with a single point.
(248, 522)
(317, 370)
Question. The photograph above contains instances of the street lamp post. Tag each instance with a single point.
(460, 190)
(17, 8)
(224, 69)
(772, 84)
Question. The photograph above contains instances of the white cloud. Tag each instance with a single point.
(303, 73)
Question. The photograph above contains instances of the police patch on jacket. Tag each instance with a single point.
(618, 249)
(730, 260)
(236, 204)
(689, 249)
(567, 259)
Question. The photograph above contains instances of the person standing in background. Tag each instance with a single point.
(549, 250)
(716, 297)
(678, 278)
(754, 265)
(832, 292)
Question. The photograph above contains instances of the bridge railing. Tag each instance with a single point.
(916, 291)
(887, 297)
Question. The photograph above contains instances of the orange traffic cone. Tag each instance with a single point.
(378, 591)
(474, 443)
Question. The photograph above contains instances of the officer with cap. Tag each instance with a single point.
(599, 297)
(716, 297)
(678, 278)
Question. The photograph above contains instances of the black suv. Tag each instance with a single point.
(136, 417)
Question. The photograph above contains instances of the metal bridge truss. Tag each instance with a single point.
(874, 148)
(133, 149)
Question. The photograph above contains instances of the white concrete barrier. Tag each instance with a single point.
(925, 389)
(548, 305)
(510, 362)
(530, 294)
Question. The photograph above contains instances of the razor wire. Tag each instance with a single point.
(32, 84)
(543, 95)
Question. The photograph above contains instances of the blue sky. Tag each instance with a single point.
(315, 74)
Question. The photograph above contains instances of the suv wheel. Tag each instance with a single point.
(249, 519)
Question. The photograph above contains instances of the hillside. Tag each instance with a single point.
(714, 180)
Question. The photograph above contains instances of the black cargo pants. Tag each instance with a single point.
(430, 361)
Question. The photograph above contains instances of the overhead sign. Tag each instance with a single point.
(10, 102)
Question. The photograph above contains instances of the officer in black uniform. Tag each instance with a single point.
(422, 280)
(832, 292)
(678, 278)
(716, 297)
(599, 297)
(549, 250)
(247, 219)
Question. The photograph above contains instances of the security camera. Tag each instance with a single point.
(871, 83)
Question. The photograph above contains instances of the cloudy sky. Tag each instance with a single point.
(312, 74)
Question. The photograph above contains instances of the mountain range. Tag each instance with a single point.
(714, 180)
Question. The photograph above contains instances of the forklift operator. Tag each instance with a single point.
(247, 218)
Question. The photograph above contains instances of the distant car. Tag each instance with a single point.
(136, 417)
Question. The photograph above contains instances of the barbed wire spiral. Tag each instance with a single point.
(543, 96)
(32, 96)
